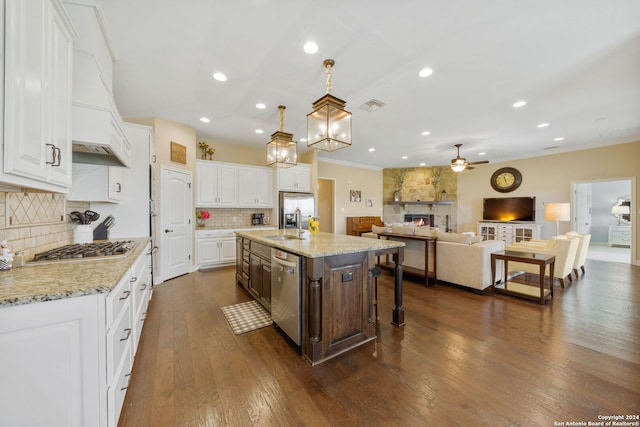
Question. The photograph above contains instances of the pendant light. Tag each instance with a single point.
(282, 150)
(329, 125)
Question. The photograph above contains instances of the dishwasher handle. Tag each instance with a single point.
(283, 262)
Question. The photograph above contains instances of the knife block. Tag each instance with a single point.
(101, 233)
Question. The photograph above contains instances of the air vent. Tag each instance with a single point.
(372, 105)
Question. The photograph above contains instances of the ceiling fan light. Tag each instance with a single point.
(457, 167)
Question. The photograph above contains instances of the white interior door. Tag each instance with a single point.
(582, 208)
(175, 214)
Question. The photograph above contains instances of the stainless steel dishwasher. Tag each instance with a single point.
(285, 293)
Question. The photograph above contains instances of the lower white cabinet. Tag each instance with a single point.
(619, 235)
(215, 247)
(52, 363)
(508, 232)
(68, 362)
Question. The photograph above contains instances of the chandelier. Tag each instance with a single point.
(329, 125)
(282, 150)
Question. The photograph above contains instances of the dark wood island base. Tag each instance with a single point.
(337, 289)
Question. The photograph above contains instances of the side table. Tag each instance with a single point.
(518, 289)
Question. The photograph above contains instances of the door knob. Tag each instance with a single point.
(167, 230)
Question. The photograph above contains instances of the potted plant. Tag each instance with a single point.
(398, 177)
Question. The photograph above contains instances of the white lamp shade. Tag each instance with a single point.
(557, 212)
(620, 210)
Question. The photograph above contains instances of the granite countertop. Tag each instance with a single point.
(320, 245)
(46, 281)
(241, 227)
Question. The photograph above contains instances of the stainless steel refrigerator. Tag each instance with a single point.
(288, 204)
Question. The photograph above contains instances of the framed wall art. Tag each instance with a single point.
(178, 153)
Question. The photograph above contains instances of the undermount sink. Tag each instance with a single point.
(283, 237)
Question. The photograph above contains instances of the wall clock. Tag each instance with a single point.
(506, 180)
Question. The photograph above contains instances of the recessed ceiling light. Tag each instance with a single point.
(560, 138)
(519, 104)
(405, 157)
(220, 77)
(204, 119)
(422, 164)
(482, 154)
(543, 125)
(310, 47)
(371, 150)
(259, 131)
(425, 72)
(303, 139)
(260, 106)
(426, 132)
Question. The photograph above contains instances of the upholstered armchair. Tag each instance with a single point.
(564, 249)
(581, 254)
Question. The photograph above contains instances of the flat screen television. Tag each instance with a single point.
(509, 209)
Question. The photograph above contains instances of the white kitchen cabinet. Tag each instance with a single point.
(37, 98)
(296, 178)
(215, 247)
(255, 187)
(216, 184)
(508, 232)
(619, 235)
(50, 361)
(72, 358)
(97, 183)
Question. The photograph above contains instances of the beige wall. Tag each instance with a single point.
(368, 181)
(550, 179)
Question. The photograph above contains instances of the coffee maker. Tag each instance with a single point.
(257, 219)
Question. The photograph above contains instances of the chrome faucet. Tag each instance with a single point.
(298, 215)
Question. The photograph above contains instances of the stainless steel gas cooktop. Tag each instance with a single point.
(79, 251)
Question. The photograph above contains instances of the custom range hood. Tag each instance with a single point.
(98, 137)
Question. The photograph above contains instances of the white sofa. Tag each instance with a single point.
(462, 259)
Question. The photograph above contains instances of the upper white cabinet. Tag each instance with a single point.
(297, 178)
(216, 184)
(96, 183)
(255, 187)
(37, 99)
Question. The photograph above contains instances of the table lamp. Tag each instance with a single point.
(557, 212)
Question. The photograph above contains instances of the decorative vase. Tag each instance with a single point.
(200, 222)
(397, 196)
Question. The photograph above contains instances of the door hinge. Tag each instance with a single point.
(189, 257)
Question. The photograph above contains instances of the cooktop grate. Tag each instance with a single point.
(86, 250)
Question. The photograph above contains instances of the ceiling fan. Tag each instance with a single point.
(460, 163)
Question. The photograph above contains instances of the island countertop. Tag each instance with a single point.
(46, 281)
(320, 245)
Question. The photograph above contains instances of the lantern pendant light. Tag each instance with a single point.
(329, 125)
(282, 150)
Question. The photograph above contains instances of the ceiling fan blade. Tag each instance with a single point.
(468, 168)
(481, 162)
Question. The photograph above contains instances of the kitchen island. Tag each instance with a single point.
(337, 285)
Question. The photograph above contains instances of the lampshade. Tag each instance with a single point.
(557, 212)
(458, 166)
(329, 125)
(282, 150)
(620, 210)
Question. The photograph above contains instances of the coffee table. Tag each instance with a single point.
(518, 289)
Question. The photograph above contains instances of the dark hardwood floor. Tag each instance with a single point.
(461, 360)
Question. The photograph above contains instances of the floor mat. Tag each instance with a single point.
(246, 316)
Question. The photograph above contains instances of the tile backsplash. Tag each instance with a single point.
(35, 221)
(234, 218)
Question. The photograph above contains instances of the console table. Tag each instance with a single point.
(518, 289)
(428, 241)
(509, 232)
